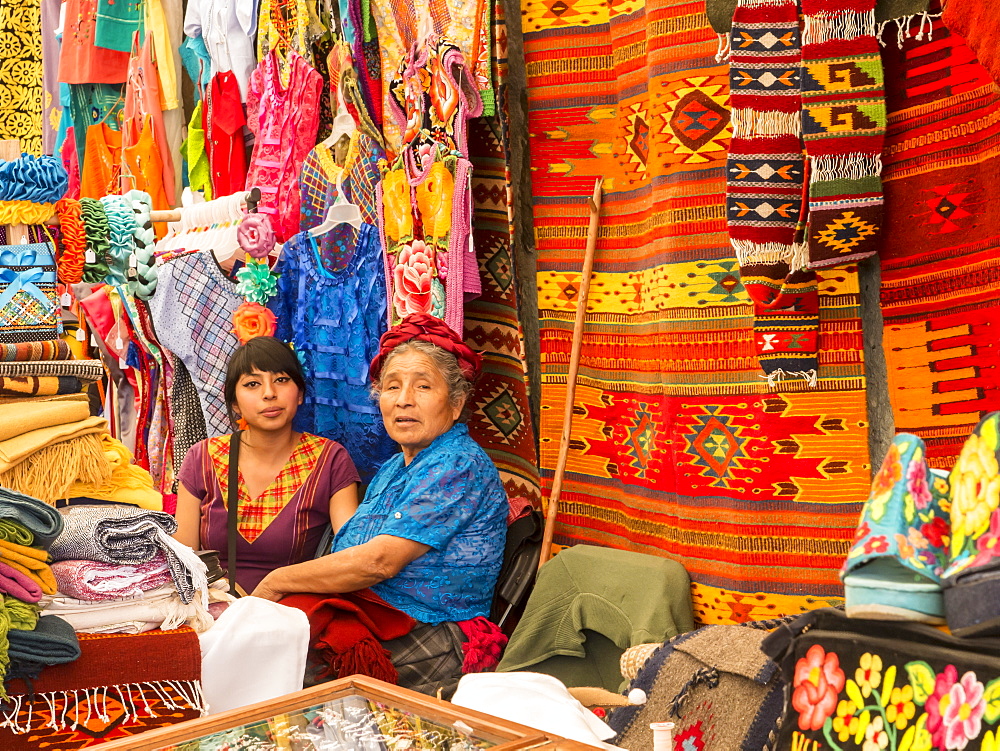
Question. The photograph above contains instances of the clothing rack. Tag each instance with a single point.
(165, 215)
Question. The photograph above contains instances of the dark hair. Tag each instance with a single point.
(263, 354)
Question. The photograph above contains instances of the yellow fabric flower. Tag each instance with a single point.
(397, 213)
(901, 707)
(434, 200)
(869, 673)
(845, 724)
(975, 491)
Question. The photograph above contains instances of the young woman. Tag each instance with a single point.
(291, 485)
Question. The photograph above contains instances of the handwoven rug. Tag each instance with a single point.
(679, 448)
(120, 686)
(940, 265)
(501, 417)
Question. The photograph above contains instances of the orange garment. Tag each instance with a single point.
(102, 162)
(145, 164)
(80, 61)
(142, 102)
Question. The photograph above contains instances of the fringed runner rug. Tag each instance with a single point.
(940, 260)
(501, 417)
(121, 685)
(679, 447)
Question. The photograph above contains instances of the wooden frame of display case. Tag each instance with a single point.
(509, 736)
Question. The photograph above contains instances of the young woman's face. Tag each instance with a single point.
(267, 401)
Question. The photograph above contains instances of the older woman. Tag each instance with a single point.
(429, 536)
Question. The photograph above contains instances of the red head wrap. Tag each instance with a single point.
(426, 328)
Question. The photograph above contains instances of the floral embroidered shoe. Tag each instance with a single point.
(972, 580)
(894, 568)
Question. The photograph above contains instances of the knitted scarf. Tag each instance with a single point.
(766, 186)
(345, 630)
(843, 122)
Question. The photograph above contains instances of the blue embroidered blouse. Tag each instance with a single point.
(450, 497)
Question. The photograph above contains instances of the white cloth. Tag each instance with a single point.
(228, 27)
(158, 608)
(533, 699)
(256, 651)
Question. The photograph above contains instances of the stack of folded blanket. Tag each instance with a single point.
(51, 448)
(28, 528)
(118, 570)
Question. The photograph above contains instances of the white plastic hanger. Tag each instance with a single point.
(342, 212)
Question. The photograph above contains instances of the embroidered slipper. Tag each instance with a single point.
(893, 570)
(972, 579)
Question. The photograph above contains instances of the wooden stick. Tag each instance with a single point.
(10, 151)
(574, 368)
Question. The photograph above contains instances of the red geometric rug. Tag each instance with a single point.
(121, 685)
(678, 447)
(940, 259)
(501, 417)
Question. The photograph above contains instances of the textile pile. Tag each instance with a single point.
(118, 570)
(28, 643)
(681, 447)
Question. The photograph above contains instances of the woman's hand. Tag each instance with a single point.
(266, 590)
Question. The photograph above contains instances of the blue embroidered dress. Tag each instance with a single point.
(332, 308)
(449, 497)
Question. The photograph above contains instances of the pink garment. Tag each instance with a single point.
(94, 581)
(71, 162)
(285, 130)
(18, 585)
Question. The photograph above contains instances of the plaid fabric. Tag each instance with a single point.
(254, 515)
(429, 658)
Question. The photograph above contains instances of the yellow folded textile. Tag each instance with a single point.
(129, 483)
(20, 418)
(15, 450)
(79, 397)
(31, 562)
(44, 463)
(23, 615)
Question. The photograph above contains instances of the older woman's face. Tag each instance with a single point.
(415, 404)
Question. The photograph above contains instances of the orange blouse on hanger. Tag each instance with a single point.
(102, 163)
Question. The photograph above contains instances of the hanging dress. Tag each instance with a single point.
(331, 305)
(284, 119)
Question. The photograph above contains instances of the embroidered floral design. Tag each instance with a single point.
(937, 531)
(869, 673)
(845, 724)
(963, 715)
(875, 736)
(916, 482)
(937, 703)
(888, 475)
(397, 214)
(412, 276)
(817, 681)
(434, 201)
(876, 544)
(975, 489)
(901, 708)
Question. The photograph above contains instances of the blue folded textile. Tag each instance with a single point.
(41, 519)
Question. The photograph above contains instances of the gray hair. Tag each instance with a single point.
(459, 387)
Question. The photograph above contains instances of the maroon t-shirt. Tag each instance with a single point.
(281, 526)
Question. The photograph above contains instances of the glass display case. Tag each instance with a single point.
(351, 714)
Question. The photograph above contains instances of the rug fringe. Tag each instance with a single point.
(827, 26)
(903, 24)
(811, 377)
(725, 47)
(751, 123)
(749, 253)
(854, 166)
(174, 695)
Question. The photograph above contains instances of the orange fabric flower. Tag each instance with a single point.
(252, 320)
